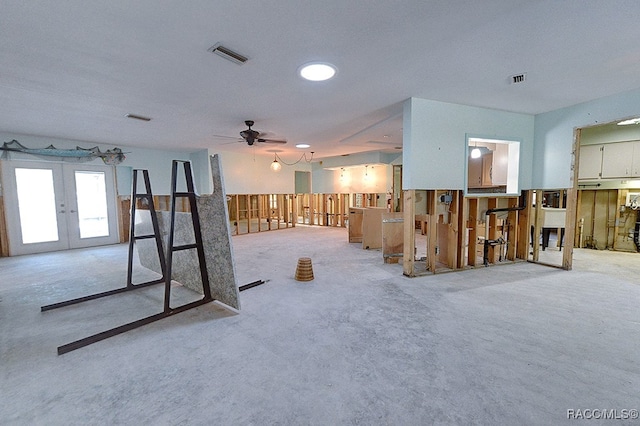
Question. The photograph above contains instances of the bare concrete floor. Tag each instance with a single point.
(514, 344)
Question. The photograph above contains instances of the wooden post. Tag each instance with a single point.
(4, 236)
(512, 243)
(408, 256)
(237, 221)
(524, 226)
(492, 223)
(570, 229)
(260, 204)
(461, 231)
(472, 224)
(538, 225)
(572, 205)
(432, 231)
(248, 198)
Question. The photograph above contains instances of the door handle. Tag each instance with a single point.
(73, 211)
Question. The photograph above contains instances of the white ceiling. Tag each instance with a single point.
(73, 69)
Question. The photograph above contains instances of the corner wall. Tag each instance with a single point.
(435, 146)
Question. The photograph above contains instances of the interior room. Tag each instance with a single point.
(360, 213)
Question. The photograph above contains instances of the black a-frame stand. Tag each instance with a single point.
(164, 259)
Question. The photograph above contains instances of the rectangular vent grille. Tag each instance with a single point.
(519, 78)
(228, 54)
(137, 117)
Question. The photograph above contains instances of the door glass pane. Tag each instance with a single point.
(91, 196)
(37, 205)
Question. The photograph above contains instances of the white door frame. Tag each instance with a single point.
(66, 206)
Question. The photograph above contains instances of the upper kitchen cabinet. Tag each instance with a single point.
(621, 160)
(590, 162)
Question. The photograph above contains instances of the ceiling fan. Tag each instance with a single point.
(251, 136)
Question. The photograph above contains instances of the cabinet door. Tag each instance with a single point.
(474, 172)
(590, 162)
(617, 160)
(635, 162)
(487, 169)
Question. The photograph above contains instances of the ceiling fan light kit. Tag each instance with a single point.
(275, 166)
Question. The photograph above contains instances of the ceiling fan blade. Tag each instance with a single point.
(225, 137)
(270, 141)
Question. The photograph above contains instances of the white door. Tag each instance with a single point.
(53, 206)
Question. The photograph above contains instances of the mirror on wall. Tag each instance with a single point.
(492, 166)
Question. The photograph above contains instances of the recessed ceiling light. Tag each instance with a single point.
(317, 71)
(630, 121)
(303, 145)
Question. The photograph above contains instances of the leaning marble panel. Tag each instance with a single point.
(216, 238)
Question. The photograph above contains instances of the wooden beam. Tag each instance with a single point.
(570, 225)
(492, 223)
(537, 225)
(432, 231)
(409, 238)
(472, 224)
(4, 236)
(577, 241)
(572, 204)
(248, 197)
(237, 221)
(524, 227)
(512, 234)
(461, 228)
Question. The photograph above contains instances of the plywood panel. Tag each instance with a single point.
(355, 224)
(372, 227)
(392, 236)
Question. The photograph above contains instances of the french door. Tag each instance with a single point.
(58, 206)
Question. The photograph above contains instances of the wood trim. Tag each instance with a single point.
(572, 204)
(4, 236)
(537, 225)
(472, 224)
(492, 222)
(432, 230)
(409, 210)
(461, 229)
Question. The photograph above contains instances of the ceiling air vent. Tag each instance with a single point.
(518, 78)
(228, 54)
(138, 117)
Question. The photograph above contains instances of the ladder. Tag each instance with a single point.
(166, 260)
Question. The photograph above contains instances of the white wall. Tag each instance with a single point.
(247, 173)
(554, 134)
(379, 179)
(435, 144)
(158, 162)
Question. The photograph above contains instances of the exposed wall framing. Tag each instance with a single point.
(250, 213)
(456, 230)
(603, 220)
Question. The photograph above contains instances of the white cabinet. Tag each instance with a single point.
(617, 160)
(635, 161)
(590, 162)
